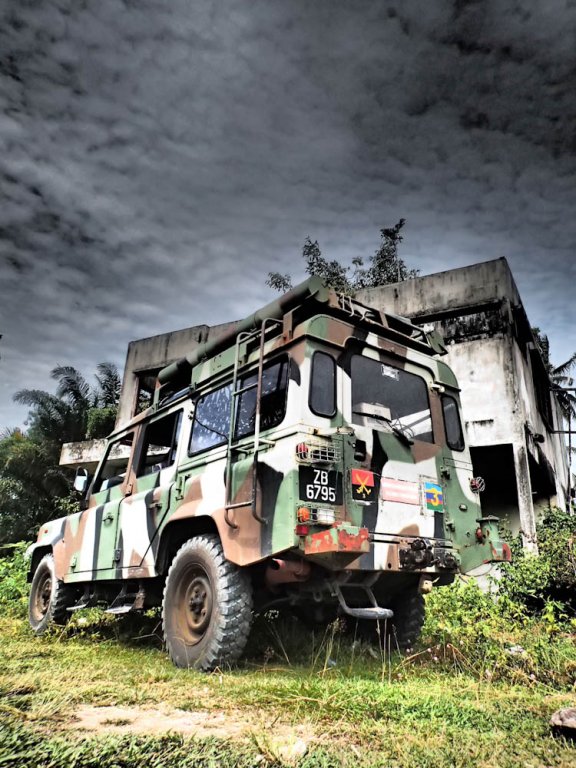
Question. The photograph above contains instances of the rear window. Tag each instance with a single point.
(323, 385)
(384, 392)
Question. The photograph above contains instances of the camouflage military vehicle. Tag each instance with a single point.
(313, 458)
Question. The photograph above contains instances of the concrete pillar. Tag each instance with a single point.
(524, 490)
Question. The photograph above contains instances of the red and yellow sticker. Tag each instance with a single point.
(363, 484)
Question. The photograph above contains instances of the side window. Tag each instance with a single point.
(211, 420)
(160, 444)
(452, 423)
(113, 470)
(323, 385)
(212, 416)
(273, 406)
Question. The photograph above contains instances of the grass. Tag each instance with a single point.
(478, 692)
(434, 708)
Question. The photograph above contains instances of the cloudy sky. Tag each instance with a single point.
(159, 157)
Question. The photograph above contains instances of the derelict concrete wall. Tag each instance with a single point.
(485, 373)
(155, 352)
(444, 292)
(494, 370)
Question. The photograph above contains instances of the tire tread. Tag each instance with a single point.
(228, 639)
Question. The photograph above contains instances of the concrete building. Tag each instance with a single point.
(146, 357)
(511, 416)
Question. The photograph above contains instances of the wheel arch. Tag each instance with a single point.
(176, 533)
(36, 557)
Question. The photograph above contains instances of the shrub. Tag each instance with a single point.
(13, 585)
(471, 631)
(532, 581)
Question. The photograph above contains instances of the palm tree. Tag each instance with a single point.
(77, 410)
(562, 383)
(32, 484)
(51, 419)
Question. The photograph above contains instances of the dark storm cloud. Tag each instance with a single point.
(158, 158)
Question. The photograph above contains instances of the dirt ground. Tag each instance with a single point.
(289, 742)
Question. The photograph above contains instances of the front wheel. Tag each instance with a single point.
(207, 606)
(49, 598)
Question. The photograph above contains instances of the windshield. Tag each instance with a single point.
(386, 394)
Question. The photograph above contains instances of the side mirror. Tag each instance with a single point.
(81, 481)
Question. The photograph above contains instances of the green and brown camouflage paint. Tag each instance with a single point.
(391, 493)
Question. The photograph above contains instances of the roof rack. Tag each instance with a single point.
(309, 298)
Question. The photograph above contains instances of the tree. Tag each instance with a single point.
(33, 486)
(385, 266)
(559, 376)
(77, 411)
(30, 484)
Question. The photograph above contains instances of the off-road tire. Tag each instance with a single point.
(49, 598)
(409, 615)
(207, 606)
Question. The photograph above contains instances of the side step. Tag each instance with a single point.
(374, 612)
(127, 601)
(85, 601)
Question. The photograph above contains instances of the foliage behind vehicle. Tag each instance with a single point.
(535, 580)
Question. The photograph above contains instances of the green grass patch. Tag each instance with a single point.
(362, 711)
(478, 691)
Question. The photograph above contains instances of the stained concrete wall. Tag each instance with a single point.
(445, 292)
(155, 352)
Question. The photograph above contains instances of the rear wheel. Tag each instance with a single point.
(207, 606)
(402, 630)
(409, 615)
(49, 598)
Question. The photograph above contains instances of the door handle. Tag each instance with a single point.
(108, 518)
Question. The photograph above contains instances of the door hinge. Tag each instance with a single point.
(179, 489)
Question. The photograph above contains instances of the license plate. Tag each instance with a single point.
(320, 485)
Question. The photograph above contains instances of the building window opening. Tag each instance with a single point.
(145, 390)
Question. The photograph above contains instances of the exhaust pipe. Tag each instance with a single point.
(286, 572)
